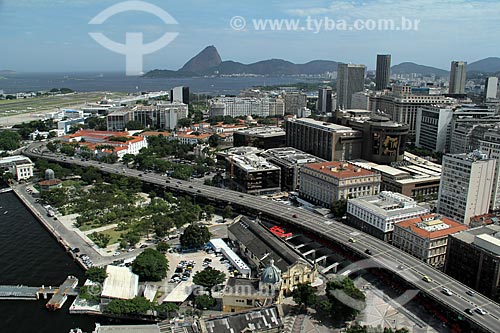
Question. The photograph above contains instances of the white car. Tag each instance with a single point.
(447, 292)
(116, 254)
(480, 311)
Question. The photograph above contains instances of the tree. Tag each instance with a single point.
(87, 293)
(132, 238)
(210, 211)
(96, 274)
(228, 212)
(195, 236)
(340, 292)
(339, 208)
(204, 302)
(135, 306)
(209, 278)
(163, 247)
(304, 295)
(127, 159)
(214, 140)
(9, 140)
(123, 243)
(134, 125)
(184, 122)
(150, 265)
(167, 310)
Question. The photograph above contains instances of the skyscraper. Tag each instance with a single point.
(383, 74)
(491, 88)
(458, 75)
(466, 186)
(325, 104)
(180, 94)
(350, 79)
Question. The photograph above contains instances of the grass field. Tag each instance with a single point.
(44, 104)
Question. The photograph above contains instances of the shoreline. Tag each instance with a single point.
(52, 231)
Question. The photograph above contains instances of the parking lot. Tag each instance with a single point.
(183, 266)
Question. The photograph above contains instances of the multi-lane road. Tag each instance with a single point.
(383, 255)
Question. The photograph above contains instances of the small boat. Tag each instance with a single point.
(6, 212)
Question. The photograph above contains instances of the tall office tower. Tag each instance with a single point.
(325, 104)
(491, 88)
(458, 75)
(180, 94)
(383, 74)
(350, 79)
(466, 186)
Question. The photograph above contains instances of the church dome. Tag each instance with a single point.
(271, 274)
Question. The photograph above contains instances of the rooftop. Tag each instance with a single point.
(259, 320)
(121, 283)
(340, 170)
(291, 156)
(263, 244)
(486, 237)
(323, 125)
(389, 204)
(432, 226)
(264, 132)
(18, 160)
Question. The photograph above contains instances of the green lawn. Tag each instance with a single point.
(114, 234)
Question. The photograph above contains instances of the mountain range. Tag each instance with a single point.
(209, 62)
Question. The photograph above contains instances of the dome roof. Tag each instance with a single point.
(271, 274)
(49, 174)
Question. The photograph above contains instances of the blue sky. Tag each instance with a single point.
(53, 35)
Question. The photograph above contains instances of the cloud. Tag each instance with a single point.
(459, 11)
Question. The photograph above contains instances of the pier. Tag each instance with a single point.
(59, 295)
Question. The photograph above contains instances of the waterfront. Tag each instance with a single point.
(31, 256)
(86, 82)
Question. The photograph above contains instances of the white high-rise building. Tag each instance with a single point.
(491, 88)
(350, 80)
(490, 145)
(458, 76)
(466, 186)
(433, 130)
(247, 106)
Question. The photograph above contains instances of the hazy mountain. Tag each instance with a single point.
(206, 59)
(488, 65)
(411, 67)
(208, 62)
(6, 71)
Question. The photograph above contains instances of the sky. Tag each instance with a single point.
(53, 35)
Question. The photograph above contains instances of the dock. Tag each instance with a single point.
(59, 295)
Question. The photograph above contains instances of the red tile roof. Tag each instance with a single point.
(340, 169)
(412, 225)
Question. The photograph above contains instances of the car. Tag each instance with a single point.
(76, 250)
(470, 293)
(368, 252)
(447, 292)
(352, 240)
(140, 175)
(469, 311)
(241, 195)
(427, 279)
(401, 266)
(143, 246)
(116, 254)
(190, 186)
(295, 216)
(199, 191)
(131, 249)
(480, 311)
(167, 181)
